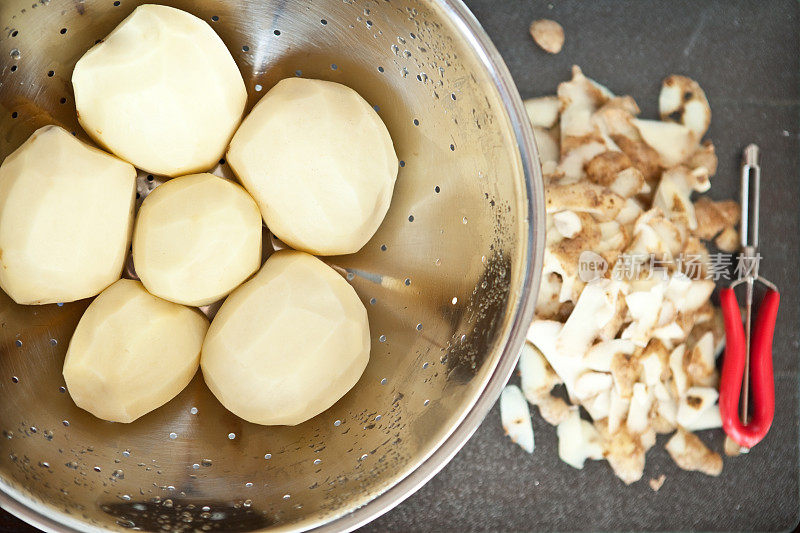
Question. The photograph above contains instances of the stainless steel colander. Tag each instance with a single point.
(448, 281)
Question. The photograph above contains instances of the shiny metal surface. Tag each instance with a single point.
(448, 282)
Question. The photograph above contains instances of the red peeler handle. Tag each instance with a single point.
(763, 385)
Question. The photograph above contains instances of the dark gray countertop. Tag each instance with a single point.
(745, 55)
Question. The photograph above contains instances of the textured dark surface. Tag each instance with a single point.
(745, 56)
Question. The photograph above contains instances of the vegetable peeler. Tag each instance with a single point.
(748, 350)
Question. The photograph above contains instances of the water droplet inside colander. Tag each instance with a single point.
(426, 402)
(373, 301)
(454, 301)
(167, 503)
(382, 338)
(248, 503)
(48, 434)
(380, 69)
(287, 496)
(193, 410)
(44, 464)
(419, 327)
(14, 379)
(464, 220)
(206, 508)
(126, 453)
(173, 435)
(351, 276)
(62, 390)
(384, 381)
(248, 484)
(411, 218)
(317, 461)
(33, 429)
(18, 343)
(363, 457)
(231, 436)
(15, 53)
(72, 464)
(407, 282)
(96, 469)
(119, 474)
(425, 365)
(337, 423)
(60, 304)
(65, 422)
(267, 456)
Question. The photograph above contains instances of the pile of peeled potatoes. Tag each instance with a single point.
(162, 93)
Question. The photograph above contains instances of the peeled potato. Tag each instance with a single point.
(197, 238)
(287, 344)
(320, 163)
(66, 211)
(161, 91)
(132, 352)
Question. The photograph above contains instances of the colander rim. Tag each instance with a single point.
(27, 509)
(471, 30)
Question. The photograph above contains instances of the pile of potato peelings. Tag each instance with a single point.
(635, 347)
